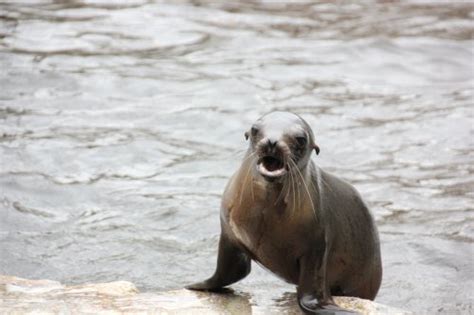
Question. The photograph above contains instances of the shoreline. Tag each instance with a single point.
(25, 296)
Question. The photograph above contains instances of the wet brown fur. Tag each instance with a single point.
(310, 228)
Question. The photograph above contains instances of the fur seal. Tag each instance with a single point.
(305, 225)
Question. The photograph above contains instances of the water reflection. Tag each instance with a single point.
(122, 120)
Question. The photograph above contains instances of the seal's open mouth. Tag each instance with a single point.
(271, 167)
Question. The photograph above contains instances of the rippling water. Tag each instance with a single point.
(121, 121)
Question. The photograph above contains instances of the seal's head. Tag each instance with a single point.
(281, 141)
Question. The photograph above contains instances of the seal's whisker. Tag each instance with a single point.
(248, 157)
(306, 187)
(280, 194)
(295, 166)
(296, 191)
(237, 153)
(326, 184)
(299, 189)
(293, 186)
(251, 183)
(240, 151)
(315, 189)
(246, 176)
(288, 187)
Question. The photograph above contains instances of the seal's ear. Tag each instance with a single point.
(246, 134)
(316, 148)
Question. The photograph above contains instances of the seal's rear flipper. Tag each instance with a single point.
(327, 310)
(232, 266)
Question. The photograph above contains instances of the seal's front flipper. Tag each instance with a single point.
(232, 266)
(206, 285)
(310, 305)
(318, 309)
(313, 294)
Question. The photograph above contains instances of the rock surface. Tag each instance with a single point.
(23, 296)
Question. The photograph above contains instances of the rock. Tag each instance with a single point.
(23, 296)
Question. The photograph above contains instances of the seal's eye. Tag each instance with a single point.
(301, 141)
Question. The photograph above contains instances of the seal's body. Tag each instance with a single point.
(303, 224)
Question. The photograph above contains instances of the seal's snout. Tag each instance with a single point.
(271, 163)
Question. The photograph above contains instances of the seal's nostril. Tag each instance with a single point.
(271, 143)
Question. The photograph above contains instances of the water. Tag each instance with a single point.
(121, 122)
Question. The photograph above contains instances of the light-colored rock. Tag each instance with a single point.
(117, 288)
(22, 296)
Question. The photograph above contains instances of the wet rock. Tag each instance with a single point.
(23, 296)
